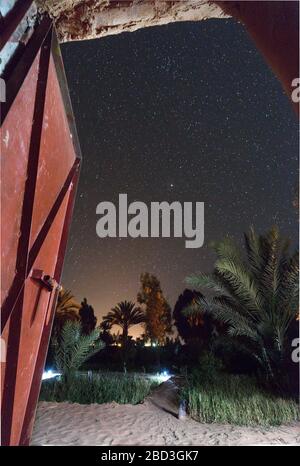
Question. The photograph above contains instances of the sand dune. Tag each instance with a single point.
(143, 424)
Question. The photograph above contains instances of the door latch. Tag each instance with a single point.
(43, 279)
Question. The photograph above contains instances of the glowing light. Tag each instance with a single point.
(49, 374)
(161, 377)
(164, 376)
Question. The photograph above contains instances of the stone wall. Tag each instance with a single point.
(89, 19)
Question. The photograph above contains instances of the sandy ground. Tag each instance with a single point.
(153, 422)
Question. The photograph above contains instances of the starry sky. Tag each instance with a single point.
(183, 112)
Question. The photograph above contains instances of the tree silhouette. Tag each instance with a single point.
(194, 326)
(105, 334)
(66, 309)
(88, 318)
(157, 309)
(125, 315)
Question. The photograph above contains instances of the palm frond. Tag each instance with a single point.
(209, 281)
(72, 349)
(241, 282)
(254, 253)
(226, 249)
(257, 299)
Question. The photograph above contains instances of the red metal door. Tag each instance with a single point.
(40, 160)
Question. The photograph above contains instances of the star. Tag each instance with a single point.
(176, 120)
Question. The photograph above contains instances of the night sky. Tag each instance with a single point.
(186, 112)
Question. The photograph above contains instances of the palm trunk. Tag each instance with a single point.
(124, 345)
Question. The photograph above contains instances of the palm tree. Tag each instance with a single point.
(66, 309)
(125, 315)
(73, 348)
(256, 296)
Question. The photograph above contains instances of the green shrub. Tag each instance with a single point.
(209, 367)
(235, 399)
(100, 388)
(72, 348)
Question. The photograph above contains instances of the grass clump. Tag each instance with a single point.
(236, 399)
(100, 388)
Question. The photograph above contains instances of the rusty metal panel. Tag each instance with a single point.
(40, 160)
(52, 170)
(15, 139)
